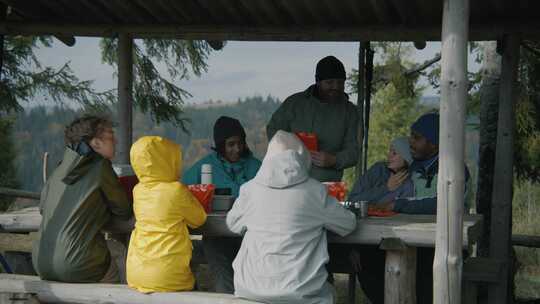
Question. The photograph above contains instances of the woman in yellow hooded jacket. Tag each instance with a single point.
(160, 249)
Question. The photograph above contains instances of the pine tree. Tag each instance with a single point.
(8, 174)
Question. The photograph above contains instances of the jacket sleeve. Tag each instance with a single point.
(190, 208)
(425, 205)
(348, 156)
(192, 175)
(336, 218)
(281, 119)
(236, 217)
(114, 194)
(365, 188)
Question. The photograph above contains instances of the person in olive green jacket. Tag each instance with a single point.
(323, 109)
(82, 194)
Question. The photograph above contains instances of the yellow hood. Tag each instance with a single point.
(156, 159)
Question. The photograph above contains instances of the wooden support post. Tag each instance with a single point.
(360, 106)
(125, 98)
(400, 272)
(489, 105)
(367, 100)
(2, 19)
(447, 267)
(501, 214)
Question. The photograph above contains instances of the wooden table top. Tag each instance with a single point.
(414, 230)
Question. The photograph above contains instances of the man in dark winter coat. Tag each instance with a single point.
(323, 109)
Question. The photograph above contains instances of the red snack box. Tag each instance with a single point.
(309, 139)
(204, 194)
(337, 190)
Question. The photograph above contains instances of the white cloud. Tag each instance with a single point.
(241, 69)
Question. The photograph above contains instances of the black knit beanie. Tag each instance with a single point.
(226, 127)
(329, 68)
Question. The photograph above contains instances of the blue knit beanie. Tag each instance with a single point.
(428, 126)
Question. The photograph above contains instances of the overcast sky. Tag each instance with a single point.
(240, 70)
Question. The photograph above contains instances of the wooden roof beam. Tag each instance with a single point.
(272, 11)
(67, 39)
(330, 9)
(233, 11)
(382, 11)
(294, 11)
(114, 9)
(98, 10)
(216, 15)
(140, 11)
(274, 33)
(255, 9)
(165, 11)
(406, 11)
(320, 18)
(357, 13)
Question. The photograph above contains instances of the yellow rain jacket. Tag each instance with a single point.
(160, 249)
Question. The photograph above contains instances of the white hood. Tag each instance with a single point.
(286, 163)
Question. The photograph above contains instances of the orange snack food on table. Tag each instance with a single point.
(337, 190)
(309, 139)
(373, 211)
(204, 194)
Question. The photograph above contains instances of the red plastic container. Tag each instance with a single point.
(337, 190)
(204, 194)
(309, 139)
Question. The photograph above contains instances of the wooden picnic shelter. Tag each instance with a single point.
(454, 22)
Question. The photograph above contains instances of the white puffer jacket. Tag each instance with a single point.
(284, 216)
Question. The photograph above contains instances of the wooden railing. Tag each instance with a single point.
(19, 193)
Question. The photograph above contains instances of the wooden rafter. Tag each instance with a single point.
(228, 9)
(143, 11)
(116, 10)
(153, 9)
(406, 11)
(273, 11)
(382, 11)
(178, 10)
(355, 9)
(318, 16)
(329, 9)
(210, 7)
(298, 13)
(267, 33)
(97, 9)
(253, 8)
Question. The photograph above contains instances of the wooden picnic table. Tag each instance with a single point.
(399, 235)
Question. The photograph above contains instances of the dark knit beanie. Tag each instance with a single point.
(226, 127)
(329, 68)
(428, 126)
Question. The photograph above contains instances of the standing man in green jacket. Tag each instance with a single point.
(82, 194)
(323, 109)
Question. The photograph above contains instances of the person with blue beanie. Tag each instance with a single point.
(424, 144)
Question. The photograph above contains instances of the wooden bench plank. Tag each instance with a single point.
(96, 293)
(17, 242)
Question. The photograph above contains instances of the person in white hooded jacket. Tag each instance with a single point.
(284, 215)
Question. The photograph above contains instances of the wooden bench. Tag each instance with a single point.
(98, 293)
(400, 235)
